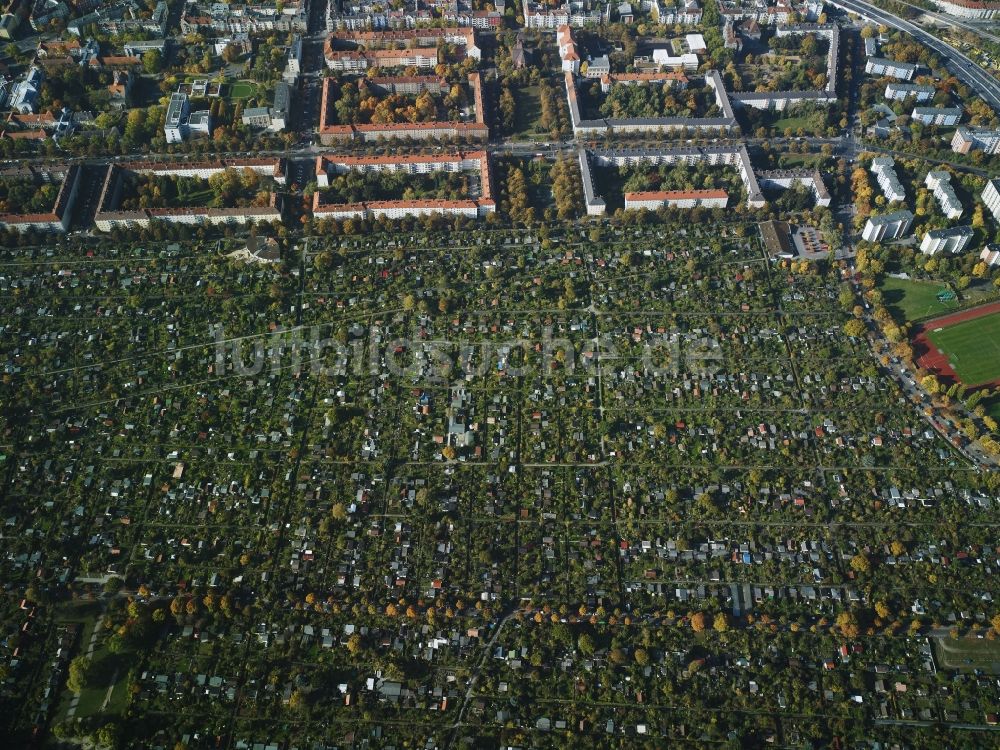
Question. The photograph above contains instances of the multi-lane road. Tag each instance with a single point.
(967, 71)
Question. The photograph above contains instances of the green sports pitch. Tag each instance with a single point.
(972, 348)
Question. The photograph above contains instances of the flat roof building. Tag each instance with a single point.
(939, 182)
(900, 91)
(889, 226)
(950, 240)
(945, 116)
(880, 66)
(884, 169)
(991, 197)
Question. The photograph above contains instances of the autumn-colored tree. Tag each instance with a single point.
(860, 563)
(854, 328)
(847, 623)
(698, 622)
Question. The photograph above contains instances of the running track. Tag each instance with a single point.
(928, 357)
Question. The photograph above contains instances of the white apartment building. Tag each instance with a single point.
(887, 226)
(900, 91)
(653, 200)
(879, 66)
(939, 183)
(884, 169)
(950, 240)
(991, 197)
(974, 9)
(990, 256)
(181, 121)
(945, 116)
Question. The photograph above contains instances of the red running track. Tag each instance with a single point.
(927, 356)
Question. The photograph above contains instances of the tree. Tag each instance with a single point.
(354, 645)
(79, 673)
(721, 622)
(508, 110)
(641, 657)
(109, 735)
(860, 563)
(847, 623)
(152, 62)
(930, 384)
(698, 622)
(854, 328)
(586, 644)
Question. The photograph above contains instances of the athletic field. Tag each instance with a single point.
(972, 348)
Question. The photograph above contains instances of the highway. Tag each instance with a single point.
(967, 71)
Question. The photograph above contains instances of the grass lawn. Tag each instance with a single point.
(528, 113)
(110, 673)
(813, 122)
(914, 300)
(966, 654)
(197, 198)
(972, 347)
(242, 90)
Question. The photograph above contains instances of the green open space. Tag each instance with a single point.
(809, 123)
(915, 300)
(528, 115)
(106, 691)
(966, 654)
(972, 348)
(242, 90)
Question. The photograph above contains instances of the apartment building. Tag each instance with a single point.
(939, 182)
(653, 200)
(880, 66)
(950, 240)
(58, 218)
(109, 216)
(331, 133)
(686, 13)
(991, 197)
(944, 116)
(567, 50)
(990, 255)
(477, 162)
(977, 10)
(181, 122)
(901, 91)
(884, 169)
(887, 227)
(975, 139)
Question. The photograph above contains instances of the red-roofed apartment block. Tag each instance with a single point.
(476, 161)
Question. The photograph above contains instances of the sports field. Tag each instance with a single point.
(972, 348)
(966, 654)
(242, 90)
(911, 300)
